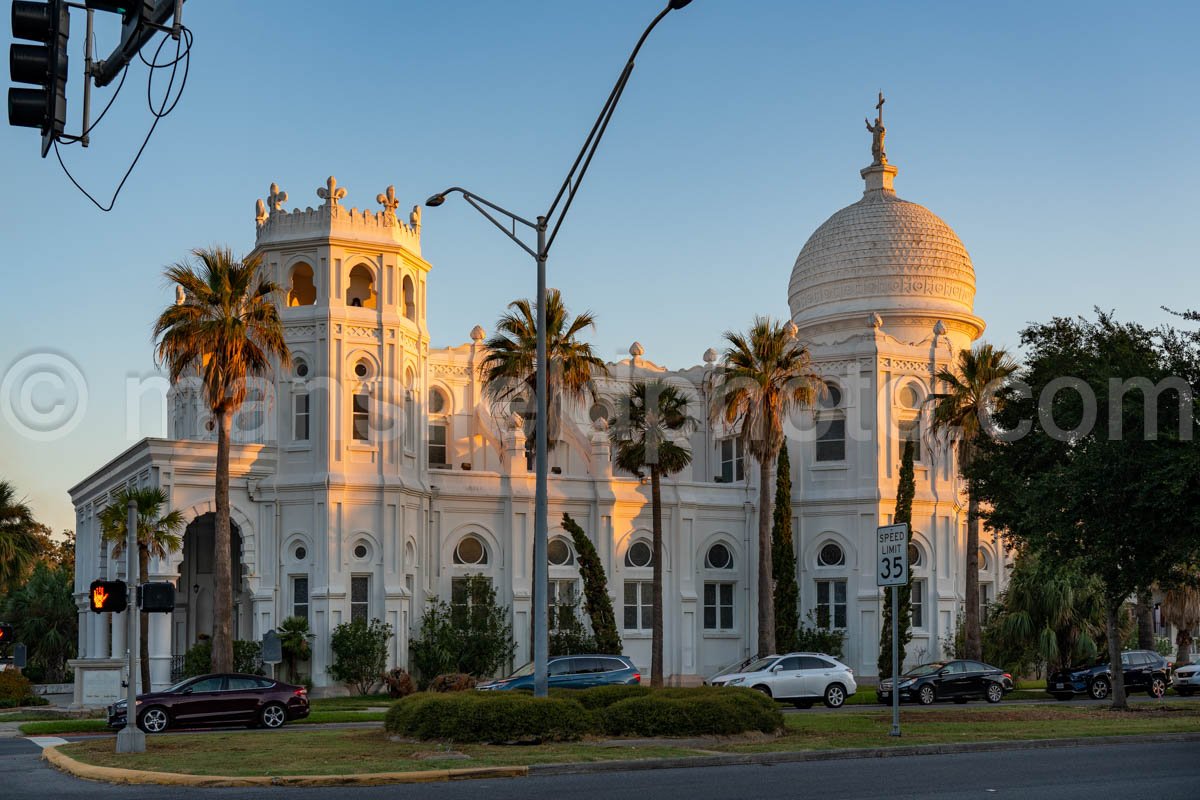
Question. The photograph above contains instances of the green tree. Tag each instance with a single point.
(360, 653)
(1181, 608)
(226, 330)
(509, 368)
(970, 391)
(45, 617)
(765, 375)
(905, 491)
(21, 541)
(650, 420)
(157, 537)
(596, 600)
(783, 560)
(471, 635)
(295, 640)
(1108, 463)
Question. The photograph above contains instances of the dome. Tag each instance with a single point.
(881, 254)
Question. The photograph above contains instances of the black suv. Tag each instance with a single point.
(1144, 670)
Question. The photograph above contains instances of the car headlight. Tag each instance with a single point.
(735, 681)
(906, 684)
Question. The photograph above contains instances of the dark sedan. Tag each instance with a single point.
(959, 680)
(572, 672)
(1144, 670)
(216, 700)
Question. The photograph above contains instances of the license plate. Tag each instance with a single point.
(1058, 686)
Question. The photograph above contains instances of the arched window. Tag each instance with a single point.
(831, 424)
(410, 411)
(831, 555)
(410, 298)
(718, 557)
(559, 554)
(361, 293)
(302, 290)
(471, 551)
(639, 554)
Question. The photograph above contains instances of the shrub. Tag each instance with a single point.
(360, 652)
(472, 635)
(488, 717)
(247, 658)
(295, 640)
(399, 683)
(711, 711)
(452, 682)
(597, 602)
(602, 696)
(812, 637)
(15, 687)
(569, 636)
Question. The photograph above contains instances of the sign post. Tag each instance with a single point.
(272, 650)
(131, 739)
(891, 564)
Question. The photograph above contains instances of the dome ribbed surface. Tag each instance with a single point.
(881, 253)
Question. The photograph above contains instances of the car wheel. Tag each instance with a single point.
(835, 695)
(1062, 696)
(803, 703)
(154, 720)
(926, 696)
(994, 693)
(1158, 687)
(1099, 689)
(273, 715)
(764, 689)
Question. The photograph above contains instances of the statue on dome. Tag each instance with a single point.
(877, 130)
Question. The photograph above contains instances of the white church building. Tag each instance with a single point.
(375, 473)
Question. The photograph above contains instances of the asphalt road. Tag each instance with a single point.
(1128, 771)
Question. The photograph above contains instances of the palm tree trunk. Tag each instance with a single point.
(1144, 612)
(1184, 640)
(766, 588)
(222, 646)
(656, 639)
(144, 619)
(1114, 656)
(972, 644)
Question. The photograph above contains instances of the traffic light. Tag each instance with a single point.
(158, 596)
(43, 64)
(7, 635)
(140, 20)
(108, 597)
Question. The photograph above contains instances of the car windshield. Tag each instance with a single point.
(760, 664)
(179, 685)
(523, 672)
(924, 669)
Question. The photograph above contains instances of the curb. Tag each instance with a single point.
(797, 756)
(119, 775)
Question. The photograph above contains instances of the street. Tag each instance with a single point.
(1159, 771)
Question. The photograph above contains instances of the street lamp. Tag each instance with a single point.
(541, 227)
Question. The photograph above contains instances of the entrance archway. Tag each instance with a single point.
(193, 616)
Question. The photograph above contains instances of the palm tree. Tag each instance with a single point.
(156, 536)
(21, 539)
(765, 376)
(648, 421)
(510, 366)
(971, 393)
(1181, 608)
(226, 328)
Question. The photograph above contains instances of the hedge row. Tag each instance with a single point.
(569, 715)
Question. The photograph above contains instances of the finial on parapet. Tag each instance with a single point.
(710, 356)
(276, 199)
(260, 211)
(331, 193)
(875, 320)
(877, 133)
(389, 202)
(477, 333)
(636, 351)
(414, 219)
(792, 329)
(939, 328)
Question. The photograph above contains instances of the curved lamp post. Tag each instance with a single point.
(550, 223)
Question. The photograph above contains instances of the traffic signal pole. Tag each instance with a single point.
(131, 739)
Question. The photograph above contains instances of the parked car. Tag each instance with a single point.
(736, 668)
(959, 680)
(572, 672)
(226, 699)
(799, 678)
(1187, 679)
(1144, 670)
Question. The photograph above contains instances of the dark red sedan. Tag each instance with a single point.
(216, 700)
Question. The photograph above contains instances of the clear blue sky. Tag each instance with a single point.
(1058, 139)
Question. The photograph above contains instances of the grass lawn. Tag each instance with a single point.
(355, 703)
(301, 752)
(60, 726)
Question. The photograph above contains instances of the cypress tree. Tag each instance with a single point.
(783, 559)
(904, 500)
(596, 601)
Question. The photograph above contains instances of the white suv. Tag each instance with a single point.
(799, 678)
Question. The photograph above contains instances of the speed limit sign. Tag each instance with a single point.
(891, 562)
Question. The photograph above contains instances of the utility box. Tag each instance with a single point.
(157, 597)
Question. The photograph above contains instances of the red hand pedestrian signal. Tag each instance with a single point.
(108, 597)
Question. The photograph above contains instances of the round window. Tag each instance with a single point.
(598, 411)
(983, 560)
(361, 369)
(360, 550)
(639, 555)
(558, 553)
(914, 555)
(301, 553)
(719, 557)
(831, 396)
(470, 551)
(831, 556)
(301, 369)
(910, 397)
(437, 402)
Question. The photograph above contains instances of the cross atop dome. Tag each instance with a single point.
(880, 174)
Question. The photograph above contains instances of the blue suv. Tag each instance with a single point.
(573, 672)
